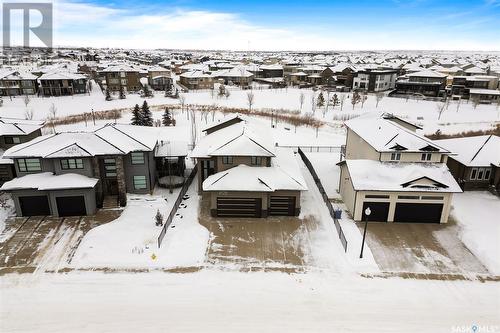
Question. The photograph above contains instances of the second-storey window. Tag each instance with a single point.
(12, 140)
(426, 157)
(29, 164)
(227, 159)
(395, 156)
(72, 163)
(137, 157)
(110, 167)
(256, 160)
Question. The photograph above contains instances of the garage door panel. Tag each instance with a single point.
(282, 205)
(71, 206)
(418, 212)
(379, 211)
(37, 205)
(239, 207)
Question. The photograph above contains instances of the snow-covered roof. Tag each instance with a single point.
(232, 72)
(474, 151)
(244, 138)
(48, 181)
(426, 73)
(171, 149)
(385, 135)
(272, 67)
(194, 74)
(478, 91)
(11, 126)
(283, 174)
(61, 76)
(10, 74)
(370, 175)
(475, 70)
(108, 140)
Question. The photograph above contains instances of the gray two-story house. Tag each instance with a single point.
(72, 173)
(14, 131)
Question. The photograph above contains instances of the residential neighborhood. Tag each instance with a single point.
(250, 167)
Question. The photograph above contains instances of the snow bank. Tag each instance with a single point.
(477, 215)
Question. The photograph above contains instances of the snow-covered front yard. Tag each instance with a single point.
(476, 213)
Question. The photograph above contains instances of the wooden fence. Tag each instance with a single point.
(321, 189)
(171, 216)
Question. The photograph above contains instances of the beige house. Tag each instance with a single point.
(400, 175)
(196, 80)
(244, 174)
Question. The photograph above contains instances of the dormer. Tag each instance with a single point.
(424, 183)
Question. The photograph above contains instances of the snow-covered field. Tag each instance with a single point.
(455, 118)
(476, 213)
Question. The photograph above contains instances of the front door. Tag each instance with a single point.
(111, 186)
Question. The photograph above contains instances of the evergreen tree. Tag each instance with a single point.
(167, 118)
(122, 93)
(168, 90)
(136, 116)
(335, 100)
(321, 100)
(147, 116)
(147, 91)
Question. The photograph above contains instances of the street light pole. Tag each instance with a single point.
(368, 211)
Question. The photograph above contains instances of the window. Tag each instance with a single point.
(424, 197)
(137, 157)
(110, 167)
(376, 196)
(29, 164)
(408, 197)
(227, 159)
(487, 173)
(473, 174)
(140, 182)
(480, 174)
(12, 140)
(395, 156)
(426, 157)
(256, 160)
(72, 163)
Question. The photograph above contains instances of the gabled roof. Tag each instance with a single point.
(61, 76)
(384, 135)
(239, 139)
(18, 127)
(427, 73)
(283, 174)
(475, 151)
(107, 140)
(369, 175)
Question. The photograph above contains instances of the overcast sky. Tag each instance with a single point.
(276, 25)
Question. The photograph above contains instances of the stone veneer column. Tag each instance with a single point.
(99, 186)
(120, 178)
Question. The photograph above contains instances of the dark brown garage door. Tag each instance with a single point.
(239, 207)
(36, 205)
(418, 212)
(71, 206)
(282, 206)
(379, 211)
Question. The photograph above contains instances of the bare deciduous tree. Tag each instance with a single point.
(250, 100)
(26, 100)
(341, 101)
(378, 98)
(28, 114)
(52, 116)
(441, 106)
(302, 97)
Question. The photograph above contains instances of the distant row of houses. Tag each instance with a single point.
(16, 83)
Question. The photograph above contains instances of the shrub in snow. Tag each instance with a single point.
(158, 218)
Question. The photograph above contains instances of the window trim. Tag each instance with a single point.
(254, 160)
(68, 164)
(426, 157)
(132, 158)
(25, 167)
(227, 160)
(395, 156)
(136, 185)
